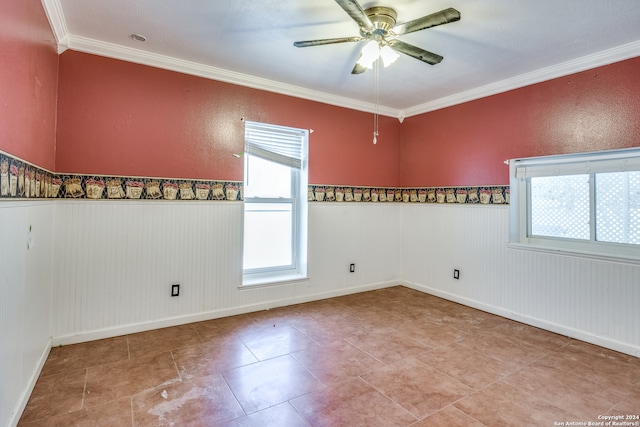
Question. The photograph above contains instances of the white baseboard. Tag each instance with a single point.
(209, 315)
(26, 393)
(265, 305)
(529, 320)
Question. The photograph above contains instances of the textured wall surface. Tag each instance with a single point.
(28, 83)
(119, 118)
(467, 144)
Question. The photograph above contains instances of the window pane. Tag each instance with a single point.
(267, 179)
(267, 235)
(618, 207)
(560, 206)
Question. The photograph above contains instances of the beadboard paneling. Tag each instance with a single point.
(116, 260)
(25, 275)
(595, 301)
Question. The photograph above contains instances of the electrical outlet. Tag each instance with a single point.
(352, 268)
(175, 290)
(456, 274)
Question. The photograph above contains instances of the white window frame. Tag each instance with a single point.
(522, 170)
(262, 140)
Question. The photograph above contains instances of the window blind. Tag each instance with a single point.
(278, 144)
(585, 163)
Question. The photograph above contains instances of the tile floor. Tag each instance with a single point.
(392, 357)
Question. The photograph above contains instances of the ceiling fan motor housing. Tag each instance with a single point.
(383, 19)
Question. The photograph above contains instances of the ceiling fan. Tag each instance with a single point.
(378, 25)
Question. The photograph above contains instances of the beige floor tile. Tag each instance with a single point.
(268, 341)
(467, 365)
(448, 417)
(606, 367)
(224, 327)
(79, 356)
(629, 405)
(351, 403)
(388, 345)
(417, 387)
(280, 415)
(565, 389)
(264, 384)
(505, 347)
(327, 331)
(500, 404)
(55, 394)
(111, 382)
(336, 362)
(211, 358)
(204, 401)
(117, 413)
(148, 343)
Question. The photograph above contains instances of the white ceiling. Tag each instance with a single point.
(496, 46)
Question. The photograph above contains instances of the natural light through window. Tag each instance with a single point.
(585, 204)
(274, 204)
(560, 206)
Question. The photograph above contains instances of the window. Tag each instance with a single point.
(585, 204)
(275, 204)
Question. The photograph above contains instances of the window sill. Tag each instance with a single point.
(257, 281)
(592, 255)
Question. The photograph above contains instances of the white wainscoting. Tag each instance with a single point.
(595, 301)
(25, 293)
(115, 262)
(102, 268)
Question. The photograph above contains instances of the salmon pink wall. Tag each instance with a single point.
(120, 118)
(467, 144)
(28, 83)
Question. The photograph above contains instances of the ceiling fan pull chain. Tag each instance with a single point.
(376, 77)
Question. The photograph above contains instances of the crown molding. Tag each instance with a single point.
(65, 41)
(53, 10)
(609, 56)
(87, 45)
(606, 57)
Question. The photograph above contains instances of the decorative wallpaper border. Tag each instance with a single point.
(496, 195)
(22, 180)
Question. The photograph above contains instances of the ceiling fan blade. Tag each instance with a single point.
(355, 11)
(321, 42)
(443, 17)
(416, 52)
(358, 69)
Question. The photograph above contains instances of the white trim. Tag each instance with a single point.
(26, 393)
(110, 50)
(606, 57)
(267, 305)
(181, 320)
(558, 251)
(98, 334)
(530, 320)
(55, 15)
(251, 281)
(620, 53)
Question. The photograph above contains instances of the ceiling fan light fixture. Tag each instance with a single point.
(370, 53)
(388, 55)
